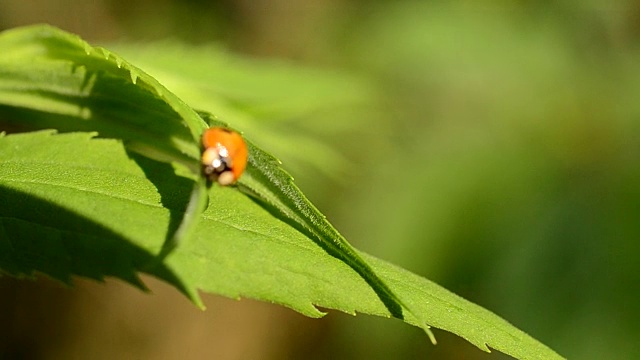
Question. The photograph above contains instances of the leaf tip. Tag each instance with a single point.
(134, 76)
(87, 48)
(432, 337)
(194, 296)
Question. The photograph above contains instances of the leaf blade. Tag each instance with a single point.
(238, 253)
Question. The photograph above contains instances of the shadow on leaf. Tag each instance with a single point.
(37, 236)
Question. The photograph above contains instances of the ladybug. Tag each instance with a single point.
(224, 157)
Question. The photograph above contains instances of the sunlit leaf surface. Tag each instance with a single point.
(74, 204)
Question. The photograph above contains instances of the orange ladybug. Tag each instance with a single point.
(224, 157)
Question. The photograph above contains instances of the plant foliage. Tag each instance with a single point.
(118, 179)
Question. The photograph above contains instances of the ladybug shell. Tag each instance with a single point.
(228, 146)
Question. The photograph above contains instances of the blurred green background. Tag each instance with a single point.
(490, 146)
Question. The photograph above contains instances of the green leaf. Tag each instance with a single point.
(97, 68)
(90, 88)
(76, 205)
(68, 212)
(265, 98)
(265, 181)
(96, 214)
(56, 80)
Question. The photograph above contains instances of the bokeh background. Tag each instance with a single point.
(490, 146)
